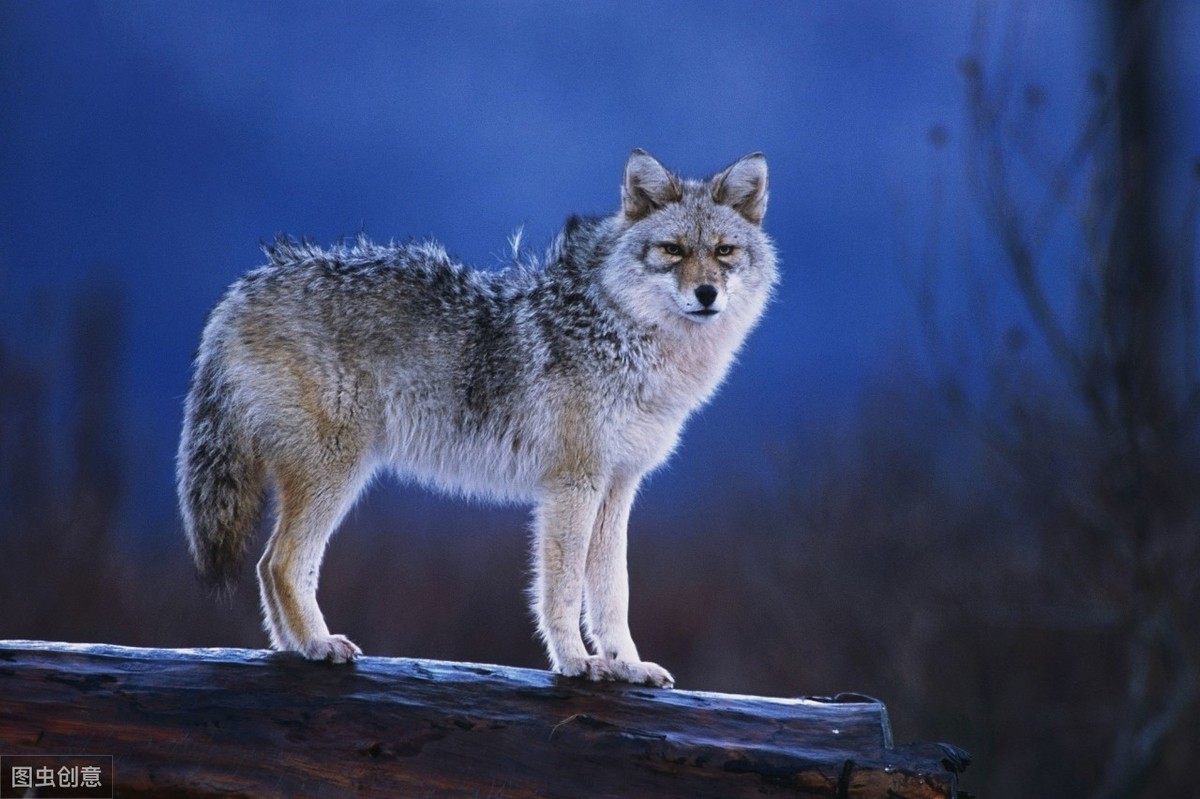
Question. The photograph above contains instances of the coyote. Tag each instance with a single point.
(560, 383)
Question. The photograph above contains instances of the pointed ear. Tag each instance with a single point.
(743, 187)
(647, 186)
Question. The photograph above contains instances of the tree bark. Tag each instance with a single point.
(208, 722)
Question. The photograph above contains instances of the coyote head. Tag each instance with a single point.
(693, 250)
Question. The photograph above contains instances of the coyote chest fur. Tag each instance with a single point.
(559, 384)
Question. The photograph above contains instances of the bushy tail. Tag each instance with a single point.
(220, 476)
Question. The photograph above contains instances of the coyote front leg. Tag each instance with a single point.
(566, 520)
(562, 524)
(607, 590)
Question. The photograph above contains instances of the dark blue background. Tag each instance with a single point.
(156, 144)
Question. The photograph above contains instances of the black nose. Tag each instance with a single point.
(706, 294)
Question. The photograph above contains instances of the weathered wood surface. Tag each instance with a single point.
(209, 722)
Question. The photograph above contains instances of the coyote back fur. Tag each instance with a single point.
(560, 384)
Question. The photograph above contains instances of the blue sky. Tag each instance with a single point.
(158, 143)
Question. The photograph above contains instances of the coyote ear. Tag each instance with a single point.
(743, 187)
(647, 186)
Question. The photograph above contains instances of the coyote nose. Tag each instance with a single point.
(706, 294)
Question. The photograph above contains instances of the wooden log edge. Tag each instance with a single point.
(233, 722)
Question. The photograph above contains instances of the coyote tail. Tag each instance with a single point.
(220, 476)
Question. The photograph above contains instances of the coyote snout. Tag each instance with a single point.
(707, 295)
(704, 301)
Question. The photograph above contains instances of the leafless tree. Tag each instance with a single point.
(1108, 455)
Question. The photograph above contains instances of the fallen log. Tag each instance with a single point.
(231, 722)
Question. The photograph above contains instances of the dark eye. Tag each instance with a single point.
(725, 250)
(671, 248)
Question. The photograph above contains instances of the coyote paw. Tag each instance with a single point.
(598, 669)
(333, 648)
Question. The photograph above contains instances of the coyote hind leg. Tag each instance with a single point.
(310, 509)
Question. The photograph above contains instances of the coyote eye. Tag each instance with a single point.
(725, 250)
(671, 248)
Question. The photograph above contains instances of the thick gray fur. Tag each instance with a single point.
(560, 383)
